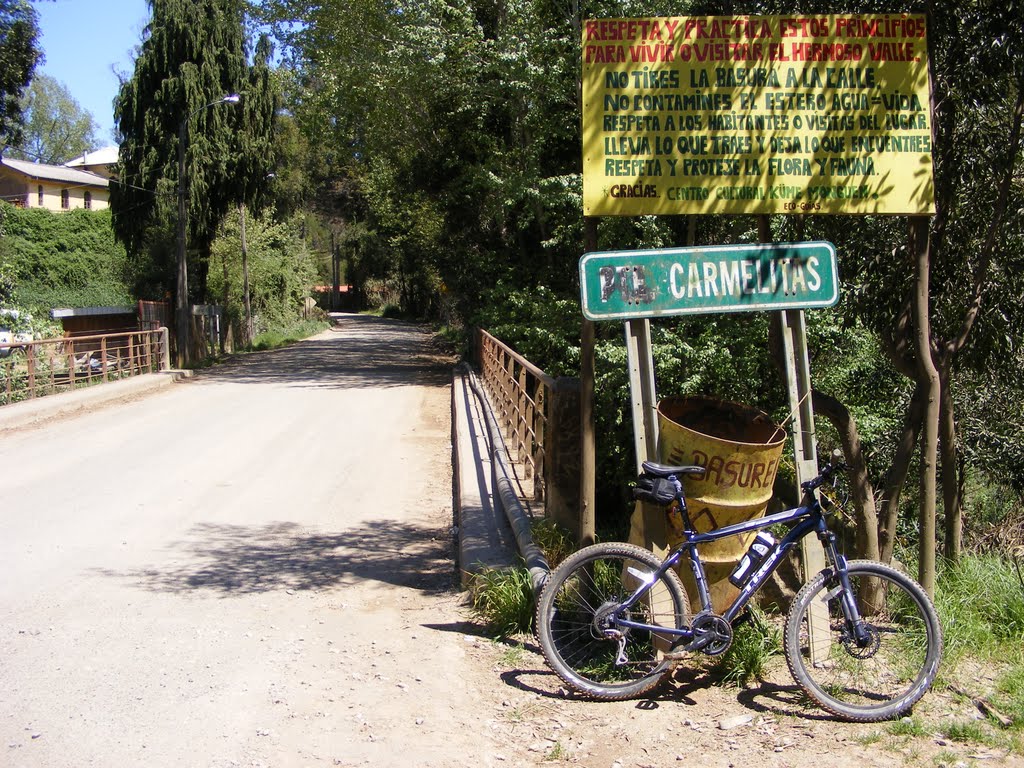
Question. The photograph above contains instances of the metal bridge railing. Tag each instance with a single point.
(539, 415)
(49, 366)
(519, 392)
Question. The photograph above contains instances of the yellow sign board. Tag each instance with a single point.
(756, 114)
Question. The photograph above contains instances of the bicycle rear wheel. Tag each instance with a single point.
(882, 677)
(578, 635)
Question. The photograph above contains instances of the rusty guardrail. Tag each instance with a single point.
(48, 366)
(539, 415)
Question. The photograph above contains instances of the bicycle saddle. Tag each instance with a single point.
(664, 470)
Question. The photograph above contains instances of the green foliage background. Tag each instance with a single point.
(65, 259)
(72, 259)
(466, 176)
(281, 269)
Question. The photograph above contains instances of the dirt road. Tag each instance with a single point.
(255, 568)
(251, 568)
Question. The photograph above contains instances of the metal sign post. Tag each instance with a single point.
(643, 396)
(805, 450)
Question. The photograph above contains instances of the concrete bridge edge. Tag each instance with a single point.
(485, 538)
(41, 410)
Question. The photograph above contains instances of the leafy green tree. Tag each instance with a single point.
(57, 128)
(19, 54)
(281, 269)
(447, 130)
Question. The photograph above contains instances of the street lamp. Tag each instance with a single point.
(181, 304)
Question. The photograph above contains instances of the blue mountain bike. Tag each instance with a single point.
(861, 638)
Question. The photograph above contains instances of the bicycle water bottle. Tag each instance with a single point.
(758, 552)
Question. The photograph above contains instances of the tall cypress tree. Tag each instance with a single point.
(193, 54)
(255, 148)
(19, 54)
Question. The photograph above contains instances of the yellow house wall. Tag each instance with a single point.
(76, 195)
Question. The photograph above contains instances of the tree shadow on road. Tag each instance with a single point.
(361, 352)
(235, 560)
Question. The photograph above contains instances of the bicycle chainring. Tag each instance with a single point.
(712, 634)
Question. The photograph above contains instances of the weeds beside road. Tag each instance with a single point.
(976, 707)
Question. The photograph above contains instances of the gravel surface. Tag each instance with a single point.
(255, 567)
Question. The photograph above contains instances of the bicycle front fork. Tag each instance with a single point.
(851, 612)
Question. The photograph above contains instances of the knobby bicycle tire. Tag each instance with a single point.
(580, 592)
(885, 677)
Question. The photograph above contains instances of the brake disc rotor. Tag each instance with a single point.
(862, 652)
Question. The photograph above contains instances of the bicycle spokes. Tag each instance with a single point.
(587, 616)
(876, 666)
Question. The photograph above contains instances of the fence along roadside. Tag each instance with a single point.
(51, 366)
(540, 416)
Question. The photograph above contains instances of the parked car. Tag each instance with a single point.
(17, 339)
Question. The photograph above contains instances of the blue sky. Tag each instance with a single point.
(84, 41)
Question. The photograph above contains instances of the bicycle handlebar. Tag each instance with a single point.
(835, 465)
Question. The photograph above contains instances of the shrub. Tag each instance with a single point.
(67, 259)
(503, 600)
(980, 601)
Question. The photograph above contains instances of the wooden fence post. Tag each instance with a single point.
(522, 405)
(562, 456)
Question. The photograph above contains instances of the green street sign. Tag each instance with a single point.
(626, 285)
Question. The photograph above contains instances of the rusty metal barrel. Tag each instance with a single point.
(739, 447)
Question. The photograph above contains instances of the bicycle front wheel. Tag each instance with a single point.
(894, 662)
(576, 623)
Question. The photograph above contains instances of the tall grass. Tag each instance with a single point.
(554, 541)
(980, 601)
(502, 599)
(754, 643)
(1009, 695)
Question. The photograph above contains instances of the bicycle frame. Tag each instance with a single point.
(861, 638)
(808, 517)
